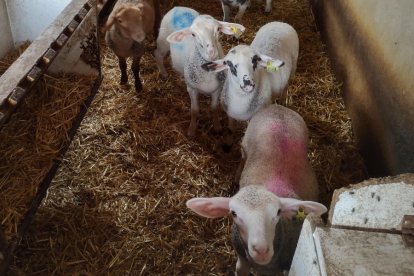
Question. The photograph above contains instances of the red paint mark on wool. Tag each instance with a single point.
(279, 187)
(291, 156)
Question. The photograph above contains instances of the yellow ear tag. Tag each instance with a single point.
(300, 214)
(270, 67)
(236, 31)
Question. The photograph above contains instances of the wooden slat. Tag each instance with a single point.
(82, 13)
(73, 25)
(61, 40)
(16, 95)
(49, 56)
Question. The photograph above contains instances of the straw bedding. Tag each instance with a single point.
(32, 139)
(116, 205)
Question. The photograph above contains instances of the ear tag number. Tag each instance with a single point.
(300, 213)
(270, 67)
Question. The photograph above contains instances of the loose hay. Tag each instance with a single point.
(117, 204)
(32, 139)
(10, 57)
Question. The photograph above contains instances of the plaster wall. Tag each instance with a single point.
(371, 45)
(6, 41)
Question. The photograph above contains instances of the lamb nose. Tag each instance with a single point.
(262, 251)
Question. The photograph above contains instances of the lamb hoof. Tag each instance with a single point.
(138, 88)
(191, 134)
(125, 86)
(226, 148)
(163, 77)
(123, 80)
(217, 131)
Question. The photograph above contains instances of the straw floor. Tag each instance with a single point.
(117, 204)
(32, 139)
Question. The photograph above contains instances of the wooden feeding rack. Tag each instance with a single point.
(67, 50)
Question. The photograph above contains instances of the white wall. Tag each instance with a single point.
(371, 42)
(28, 18)
(6, 41)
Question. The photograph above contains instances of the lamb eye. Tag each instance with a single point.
(233, 213)
(193, 35)
(278, 212)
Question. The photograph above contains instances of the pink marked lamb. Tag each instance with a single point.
(276, 180)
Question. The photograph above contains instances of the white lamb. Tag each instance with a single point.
(227, 5)
(275, 177)
(194, 40)
(258, 74)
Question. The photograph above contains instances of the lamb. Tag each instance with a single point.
(227, 5)
(127, 26)
(259, 73)
(276, 180)
(194, 40)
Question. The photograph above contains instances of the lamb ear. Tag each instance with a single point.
(231, 28)
(290, 206)
(111, 19)
(178, 36)
(213, 207)
(109, 23)
(215, 66)
(271, 64)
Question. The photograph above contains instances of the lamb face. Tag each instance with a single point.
(256, 212)
(129, 20)
(245, 66)
(205, 32)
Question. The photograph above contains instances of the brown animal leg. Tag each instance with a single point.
(123, 67)
(228, 136)
(157, 19)
(135, 69)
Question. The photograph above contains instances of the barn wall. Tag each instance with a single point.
(371, 45)
(29, 18)
(6, 41)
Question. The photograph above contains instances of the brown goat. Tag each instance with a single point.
(127, 26)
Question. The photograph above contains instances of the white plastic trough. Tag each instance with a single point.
(370, 232)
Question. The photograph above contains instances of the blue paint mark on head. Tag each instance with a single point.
(177, 46)
(181, 20)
